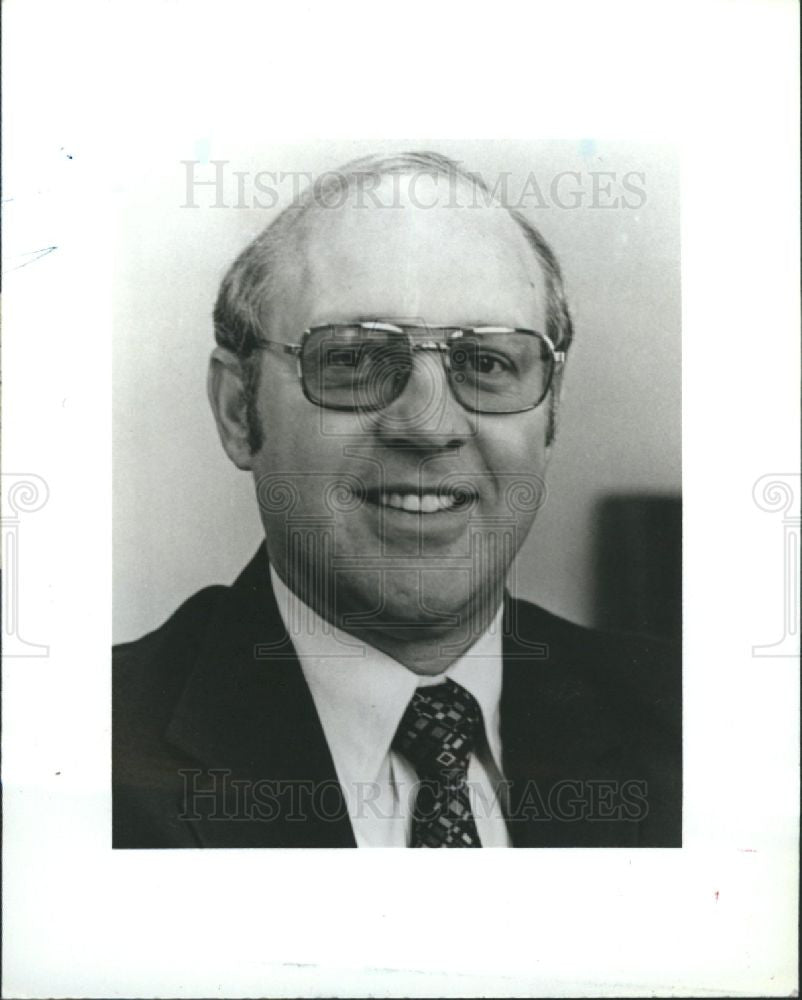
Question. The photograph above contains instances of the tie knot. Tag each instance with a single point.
(438, 729)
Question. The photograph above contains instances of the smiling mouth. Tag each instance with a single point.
(421, 501)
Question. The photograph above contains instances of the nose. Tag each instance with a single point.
(426, 415)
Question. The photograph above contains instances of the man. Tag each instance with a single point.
(389, 363)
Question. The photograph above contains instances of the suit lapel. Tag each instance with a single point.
(247, 716)
(525, 767)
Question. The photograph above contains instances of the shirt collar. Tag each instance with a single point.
(360, 693)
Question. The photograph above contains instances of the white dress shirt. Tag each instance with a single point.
(360, 695)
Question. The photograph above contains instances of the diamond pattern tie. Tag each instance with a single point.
(436, 735)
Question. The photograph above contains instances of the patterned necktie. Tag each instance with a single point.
(436, 735)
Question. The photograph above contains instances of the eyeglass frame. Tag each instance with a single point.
(440, 347)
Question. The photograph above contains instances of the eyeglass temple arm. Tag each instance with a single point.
(294, 349)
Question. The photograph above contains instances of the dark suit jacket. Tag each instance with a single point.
(217, 742)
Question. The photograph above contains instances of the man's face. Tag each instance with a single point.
(340, 493)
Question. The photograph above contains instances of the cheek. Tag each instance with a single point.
(302, 455)
(289, 422)
(517, 445)
(516, 458)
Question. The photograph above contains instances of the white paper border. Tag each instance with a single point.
(718, 917)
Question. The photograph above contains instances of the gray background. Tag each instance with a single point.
(185, 518)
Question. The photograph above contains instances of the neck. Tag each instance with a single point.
(425, 650)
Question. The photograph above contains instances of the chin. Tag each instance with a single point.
(410, 599)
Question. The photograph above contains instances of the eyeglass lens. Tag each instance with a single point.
(353, 368)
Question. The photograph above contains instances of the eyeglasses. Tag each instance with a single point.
(366, 366)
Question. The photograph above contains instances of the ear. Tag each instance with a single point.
(225, 385)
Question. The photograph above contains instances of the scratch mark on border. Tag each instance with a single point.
(33, 255)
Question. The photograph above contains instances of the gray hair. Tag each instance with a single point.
(250, 281)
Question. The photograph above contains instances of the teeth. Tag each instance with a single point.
(415, 503)
(429, 504)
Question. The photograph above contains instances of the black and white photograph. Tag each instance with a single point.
(388, 363)
(400, 441)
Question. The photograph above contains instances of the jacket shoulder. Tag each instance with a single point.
(149, 674)
(622, 679)
(531, 624)
(184, 628)
(148, 677)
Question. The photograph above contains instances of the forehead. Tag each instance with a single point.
(419, 250)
